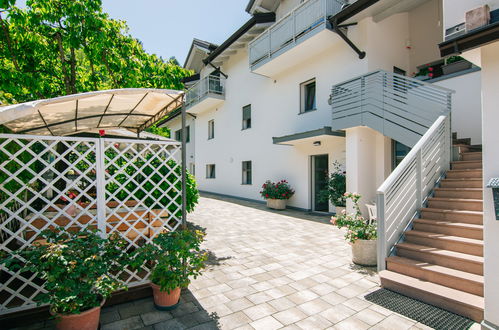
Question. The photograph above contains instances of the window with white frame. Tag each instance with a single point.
(247, 175)
(211, 129)
(308, 96)
(247, 116)
(178, 134)
(210, 171)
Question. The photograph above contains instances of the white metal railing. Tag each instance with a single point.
(400, 107)
(404, 192)
(124, 186)
(299, 22)
(207, 85)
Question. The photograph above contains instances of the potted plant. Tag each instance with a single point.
(335, 188)
(361, 233)
(276, 194)
(175, 257)
(78, 271)
(455, 64)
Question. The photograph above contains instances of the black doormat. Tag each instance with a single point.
(428, 315)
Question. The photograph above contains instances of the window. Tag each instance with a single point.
(210, 171)
(178, 134)
(211, 129)
(192, 168)
(308, 96)
(247, 172)
(247, 116)
(399, 151)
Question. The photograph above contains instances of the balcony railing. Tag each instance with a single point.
(210, 85)
(298, 23)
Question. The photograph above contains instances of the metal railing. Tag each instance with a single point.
(299, 22)
(207, 85)
(404, 192)
(400, 107)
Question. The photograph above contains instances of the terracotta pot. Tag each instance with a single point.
(364, 252)
(339, 209)
(87, 320)
(164, 300)
(72, 210)
(277, 204)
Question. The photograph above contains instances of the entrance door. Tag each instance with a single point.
(320, 172)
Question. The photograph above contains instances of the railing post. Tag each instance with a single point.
(101, 186)
(419, 190)
(381, 243)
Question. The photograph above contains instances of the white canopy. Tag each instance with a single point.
(132, 108)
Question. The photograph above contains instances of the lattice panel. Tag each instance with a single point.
(131, 187)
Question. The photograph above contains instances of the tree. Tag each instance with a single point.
(60, 47)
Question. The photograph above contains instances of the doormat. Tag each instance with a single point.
(428, 315)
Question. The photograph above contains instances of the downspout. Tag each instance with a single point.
(337, 28)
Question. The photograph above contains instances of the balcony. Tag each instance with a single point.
(206, 94)
(290, 39)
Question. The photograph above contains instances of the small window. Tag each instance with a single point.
(210, 171)
(308, 98)
(211, 129)
(192, 169)
(247, 179)
(178, 134)
(247, 116)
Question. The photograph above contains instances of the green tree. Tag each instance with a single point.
(60, 47)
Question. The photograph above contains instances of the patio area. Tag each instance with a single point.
(267, 270)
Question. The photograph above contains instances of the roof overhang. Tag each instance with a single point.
(239, 39)
(134, 109)
(262, 6)
(308, 136)
(198, 51)
(471, 40)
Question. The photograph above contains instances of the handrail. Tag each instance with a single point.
(207, 85)
(406, 189)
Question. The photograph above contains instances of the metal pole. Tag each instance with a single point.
(184, 169)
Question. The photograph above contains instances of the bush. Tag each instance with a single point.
(279, 190)
(336, 187)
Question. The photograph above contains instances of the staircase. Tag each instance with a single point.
(440, 261)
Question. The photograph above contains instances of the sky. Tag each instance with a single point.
(167, 27)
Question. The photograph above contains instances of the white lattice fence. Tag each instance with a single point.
(130, 187)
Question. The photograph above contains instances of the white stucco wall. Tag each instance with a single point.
(176, 124)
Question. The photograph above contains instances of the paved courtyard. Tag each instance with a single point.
(267, 270)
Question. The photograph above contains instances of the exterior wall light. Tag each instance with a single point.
(494, 184)
(317, 143)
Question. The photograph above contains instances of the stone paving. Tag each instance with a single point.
(267, 270)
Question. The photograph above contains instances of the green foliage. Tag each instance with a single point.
(162, 131)
(278, 190)
(453, 59)
(357, 226)
(176, 256)
(336, 187)
(59, 47)
(78, 268)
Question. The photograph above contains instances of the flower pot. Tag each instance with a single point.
(163, 300)
(364, 252)
(339, 209)
(277, 204)
(87, 320)
(456, 67)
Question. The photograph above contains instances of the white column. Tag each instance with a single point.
(490, 140)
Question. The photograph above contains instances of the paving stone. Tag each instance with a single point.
(353, 323)
(109, 316)
(155, 317)
(314, 322)
(337, 313)
(172, 324)
(369, 316)
(212, 325)
(314, 306)
(132, 309)
(184, 309)
(131, 323)
(289, 316)
(266, 323)
(235, 320)
(395, 322)
(303, 296)
(239, 304)
(259, 297)
(259, 311)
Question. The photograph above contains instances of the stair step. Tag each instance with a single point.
(461, 183)
(449, 228)
(473, 155)
(453, 300)
(465, 141)
(470, 193)
(466, 164)
(467, 173)
(473, 217)
(445, 276)
(456, 203)
(451, 259)
(445, 242)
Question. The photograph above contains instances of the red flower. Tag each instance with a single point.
(266, 195)
(430, 75)
(102, 132)
(430, 69)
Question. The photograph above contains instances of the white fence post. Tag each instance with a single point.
(101, 187)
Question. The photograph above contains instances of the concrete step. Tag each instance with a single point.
(471, 193)
(477, 155)
(445, 276)
(466, 164)
(461, 183)
(456, 204)
(465, 141)
(451, 259)
(462, 147)
(445, 242)
(460, 229)
(456, 301)
(473, 217)
(462, 174)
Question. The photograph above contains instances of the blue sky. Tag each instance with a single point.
(167, 27)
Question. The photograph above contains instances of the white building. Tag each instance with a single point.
(306, 83)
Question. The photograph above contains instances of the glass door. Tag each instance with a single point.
(320, 172)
